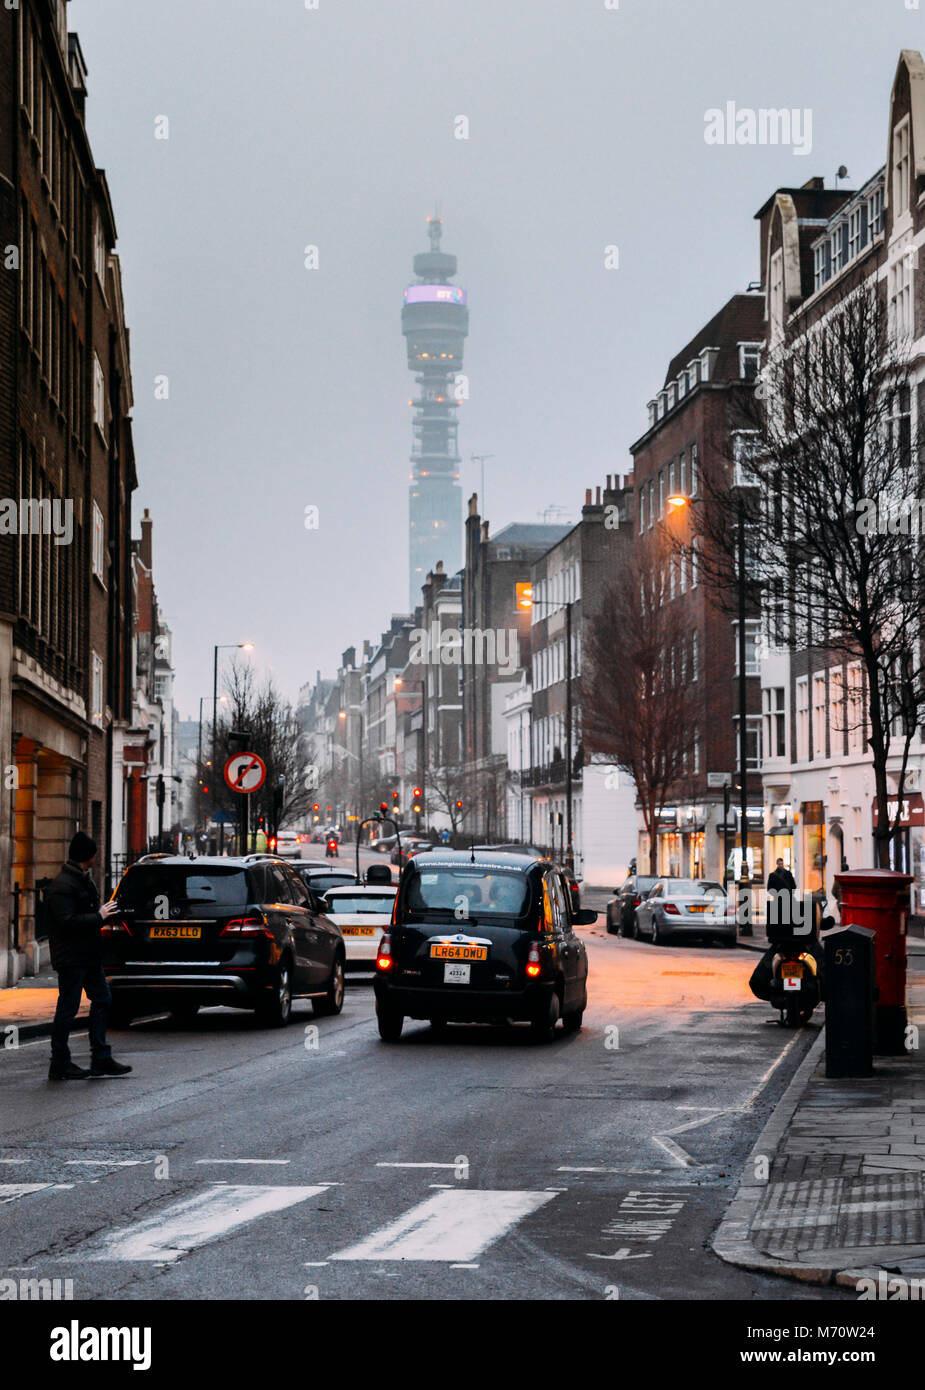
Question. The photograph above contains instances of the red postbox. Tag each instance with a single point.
(879, 899)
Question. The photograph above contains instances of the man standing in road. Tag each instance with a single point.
(75, 920)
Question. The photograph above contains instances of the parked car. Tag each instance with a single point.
(289, 844)
(362, 912)
(688, 907)
(621, 910)
(511, 955)
(196, 931)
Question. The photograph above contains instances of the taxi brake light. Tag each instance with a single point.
(384, 960)
(534, 965)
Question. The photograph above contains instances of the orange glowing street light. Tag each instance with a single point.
(677, 499)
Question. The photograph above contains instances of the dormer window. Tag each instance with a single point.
(875, 212)
(652, 408)
(693, 369)
(683, 384)
(672, 395)
(749, 360)
(662, 404)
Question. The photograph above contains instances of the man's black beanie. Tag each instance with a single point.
(82, 848)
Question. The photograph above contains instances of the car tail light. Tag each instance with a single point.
(636, 902)
(384, 959)
(670, 907)
(115, 929)
(247, 926)
(534, 964)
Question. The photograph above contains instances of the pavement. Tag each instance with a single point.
(833, 1192)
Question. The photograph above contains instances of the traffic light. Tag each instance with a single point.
(417, 793)
(261, 822)
(459, 805)
(316, 807)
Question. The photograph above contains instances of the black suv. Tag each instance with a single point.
(207, 930)
(482, 936)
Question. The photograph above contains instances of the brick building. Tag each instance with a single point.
(689, 430)
(496, 644)
(592, 812)
(67, 472)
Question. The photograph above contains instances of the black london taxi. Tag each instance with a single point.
(482, 936)
(245, 932)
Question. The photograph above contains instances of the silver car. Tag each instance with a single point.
(686, 907)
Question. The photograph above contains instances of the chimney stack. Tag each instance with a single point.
(147, 526)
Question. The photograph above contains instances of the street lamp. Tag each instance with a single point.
(225, 646)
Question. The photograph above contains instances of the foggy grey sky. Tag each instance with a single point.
(335, 127)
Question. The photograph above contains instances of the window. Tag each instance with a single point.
(802, 723)
(695, 655)
(661, 492)
(651, 503)
(694, 562)
(775, 726)
(900, 295)
(857, 231)
(752, 742)
(695, 477)
(855, 712)
(642, 510)
(99, 252)
(682, 474)
(749, 360)
(751, 647)
(682, 572)
(96, 692)
(99, 395)
(875, 212)
(901, 416)
(820, 715)
(98, 541)
(901, 154)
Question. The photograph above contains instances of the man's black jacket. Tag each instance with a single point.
(74, 919)
(781, 879)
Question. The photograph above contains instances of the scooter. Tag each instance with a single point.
(330, 849)
(789, 975)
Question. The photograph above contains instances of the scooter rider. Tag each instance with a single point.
(791, 925)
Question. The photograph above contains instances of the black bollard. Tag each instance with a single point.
(849, 1002)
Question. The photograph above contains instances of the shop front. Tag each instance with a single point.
(682, 842)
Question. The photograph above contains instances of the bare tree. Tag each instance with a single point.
(641, 706)
(447, 795)
(824, 481)
(289, 790)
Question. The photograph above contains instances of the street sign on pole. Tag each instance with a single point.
(719, 779)
(245, 772)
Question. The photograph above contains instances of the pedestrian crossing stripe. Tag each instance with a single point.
(454, 1226)
(450, 1225)
(183, 1226)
